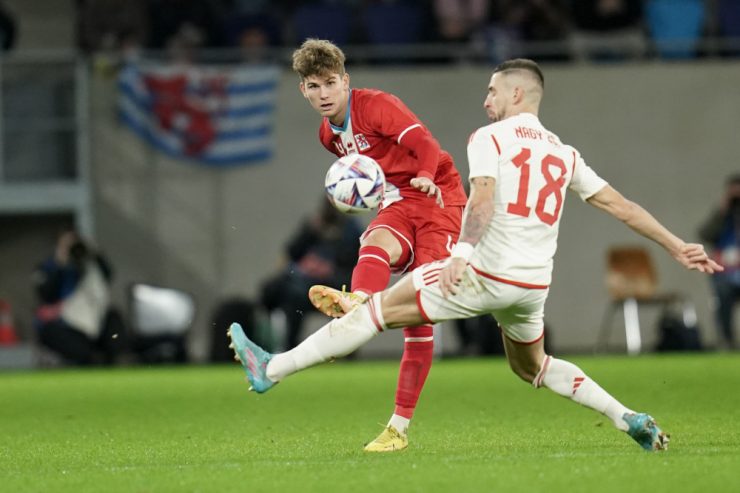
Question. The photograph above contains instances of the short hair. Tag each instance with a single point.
(318, 57)
(518, 64)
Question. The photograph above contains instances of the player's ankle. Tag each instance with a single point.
(400, 423)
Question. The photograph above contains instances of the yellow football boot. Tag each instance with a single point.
(391, 440)
(333, 302)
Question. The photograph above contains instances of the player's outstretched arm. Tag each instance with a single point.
(427, 149)
(690, 255)
(477, 217)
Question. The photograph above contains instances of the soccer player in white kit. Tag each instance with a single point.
(519, 172)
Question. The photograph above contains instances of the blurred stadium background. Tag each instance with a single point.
(649, 94)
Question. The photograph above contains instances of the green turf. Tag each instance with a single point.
(478, 428)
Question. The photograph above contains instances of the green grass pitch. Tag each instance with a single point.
(477, 428)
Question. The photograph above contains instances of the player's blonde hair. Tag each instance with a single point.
(318, 57)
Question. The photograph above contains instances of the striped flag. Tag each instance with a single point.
(217, 115)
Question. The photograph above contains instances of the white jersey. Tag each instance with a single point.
(532, 169)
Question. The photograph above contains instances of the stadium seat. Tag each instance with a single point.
(392, 23)
(160, 321)
(675, 26)
(332, 22)
(632, 282)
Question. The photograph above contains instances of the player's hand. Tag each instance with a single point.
(693, 257)
(424, 184)
(451, 275)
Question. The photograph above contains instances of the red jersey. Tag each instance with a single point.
(376, 125)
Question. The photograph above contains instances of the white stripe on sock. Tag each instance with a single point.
(376, 257)
(418, 339)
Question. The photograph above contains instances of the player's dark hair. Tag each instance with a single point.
(522, 64)
(318, 57)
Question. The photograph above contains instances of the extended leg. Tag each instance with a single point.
(530, 362)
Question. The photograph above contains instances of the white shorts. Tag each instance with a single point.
(519, 311)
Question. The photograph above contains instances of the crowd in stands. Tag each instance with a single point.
(544, 29)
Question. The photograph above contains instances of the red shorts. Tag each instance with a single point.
(426, 233)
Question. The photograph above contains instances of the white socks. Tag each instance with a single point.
(568, 380)
(337, 338)
(400, 423)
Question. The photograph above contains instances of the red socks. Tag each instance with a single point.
(371, 275)
(373, 270)
(418, 350)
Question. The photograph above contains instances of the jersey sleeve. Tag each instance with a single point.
(390, 117)
(483, 154)
(585, 181)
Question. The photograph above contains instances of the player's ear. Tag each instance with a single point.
(518, 95)
(345, 80)
(302, 87)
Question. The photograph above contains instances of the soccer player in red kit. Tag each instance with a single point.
(419, 219)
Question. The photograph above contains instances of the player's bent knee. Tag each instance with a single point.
(524, 371)
(382, 238)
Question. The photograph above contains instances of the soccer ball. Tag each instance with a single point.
(355, 183)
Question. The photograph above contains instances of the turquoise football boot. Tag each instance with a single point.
(645, 431)
(253, 358)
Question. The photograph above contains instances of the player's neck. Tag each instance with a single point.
(338, 121)
(340, 118)
(524, 110)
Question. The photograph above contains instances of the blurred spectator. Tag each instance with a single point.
(608, 29)
(459, 20)
(7, 28)
(322, 251)
(538, 29)
(113, 30)
(253, 34)
(183, 26)
(111, 25)
(75, 318)
(721, 232)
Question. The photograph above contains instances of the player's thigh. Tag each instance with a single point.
(436, 233)
(383, 238)
(392, 222)
(522, 315)
(472, 298)
(399, 305)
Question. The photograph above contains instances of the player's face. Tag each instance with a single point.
(498, 98)
(328, 94)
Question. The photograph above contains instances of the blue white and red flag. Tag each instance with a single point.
(217, 115)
